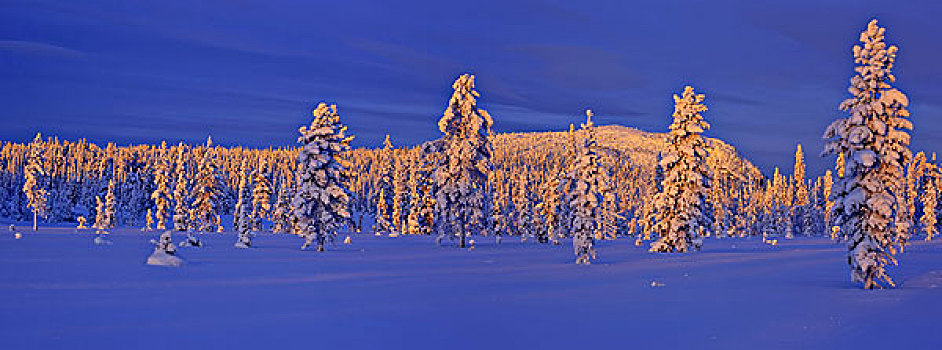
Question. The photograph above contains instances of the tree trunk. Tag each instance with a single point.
(35, 221)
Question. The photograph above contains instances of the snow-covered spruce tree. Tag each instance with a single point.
(193, 220)
(149, 221)
(523, 208)
(33, 173)
(101, 215)
(104, 219)
(930, 199)
(322, 203)
(161, 195)
(564, 183)
(499, 206)
(801, 200)
(584, 194)
(207, 189)
(906, 197)
(785, 190)
(719, 211)
(548, 208)
(801, 188)
(417, 223)
(414, 225)
(827, 184)
(427, 211)
(384, 189)
(464, 164)
(382, 223)
(681, 213)
(181, 212)
(244, 221)
(261, 199)
(281, 217)
(874, 143)
(608, 212)
(400, 196)
(164, 252)
(242, 201)
(648, 212)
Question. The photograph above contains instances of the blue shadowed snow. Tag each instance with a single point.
(58, 290)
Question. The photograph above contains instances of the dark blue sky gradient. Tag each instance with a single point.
(248, 72)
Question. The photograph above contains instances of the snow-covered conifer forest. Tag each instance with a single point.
(641, 226)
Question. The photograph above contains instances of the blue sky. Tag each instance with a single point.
(248, 72)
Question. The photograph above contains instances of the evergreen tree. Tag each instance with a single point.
(802, 197)
(416, 223)
(549, 208)
(874, 143)
(681, 214)
(523, 209)
(241, 218)
(104, 219)
(149, 222)
(382, 224)
(164, 252)
(243, 222)
(930, 200)
(427, 212)
(384, 189)
(33, 172)
(499, 206)
(281, 217)
(906, 197)
(322, 203)
(827, 185)
(462, 171)
(161, 195)
(207, 189)
(608, 211)
(400, 196)
(261, 198)
(584, 194)
(717, 197)
(181, 212)
(801, 187)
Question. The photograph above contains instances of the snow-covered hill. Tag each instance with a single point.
(637, 146)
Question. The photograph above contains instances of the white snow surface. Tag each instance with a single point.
(59, 290)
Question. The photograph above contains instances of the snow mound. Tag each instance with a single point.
(102, 240)
(161, 258)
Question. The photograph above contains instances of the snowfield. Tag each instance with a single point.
(59, 290)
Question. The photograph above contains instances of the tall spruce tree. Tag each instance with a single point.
(465, 163)
(584, 195)
(181, 211)
(161, 195)
(207, 189)
(261, 198)
(802, 197)
(322, 202)
(681, 213)
(930, 200)
(32, 187)
(874, 144)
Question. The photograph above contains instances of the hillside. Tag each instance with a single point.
(637, 146)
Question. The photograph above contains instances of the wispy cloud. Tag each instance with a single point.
(39, 49)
